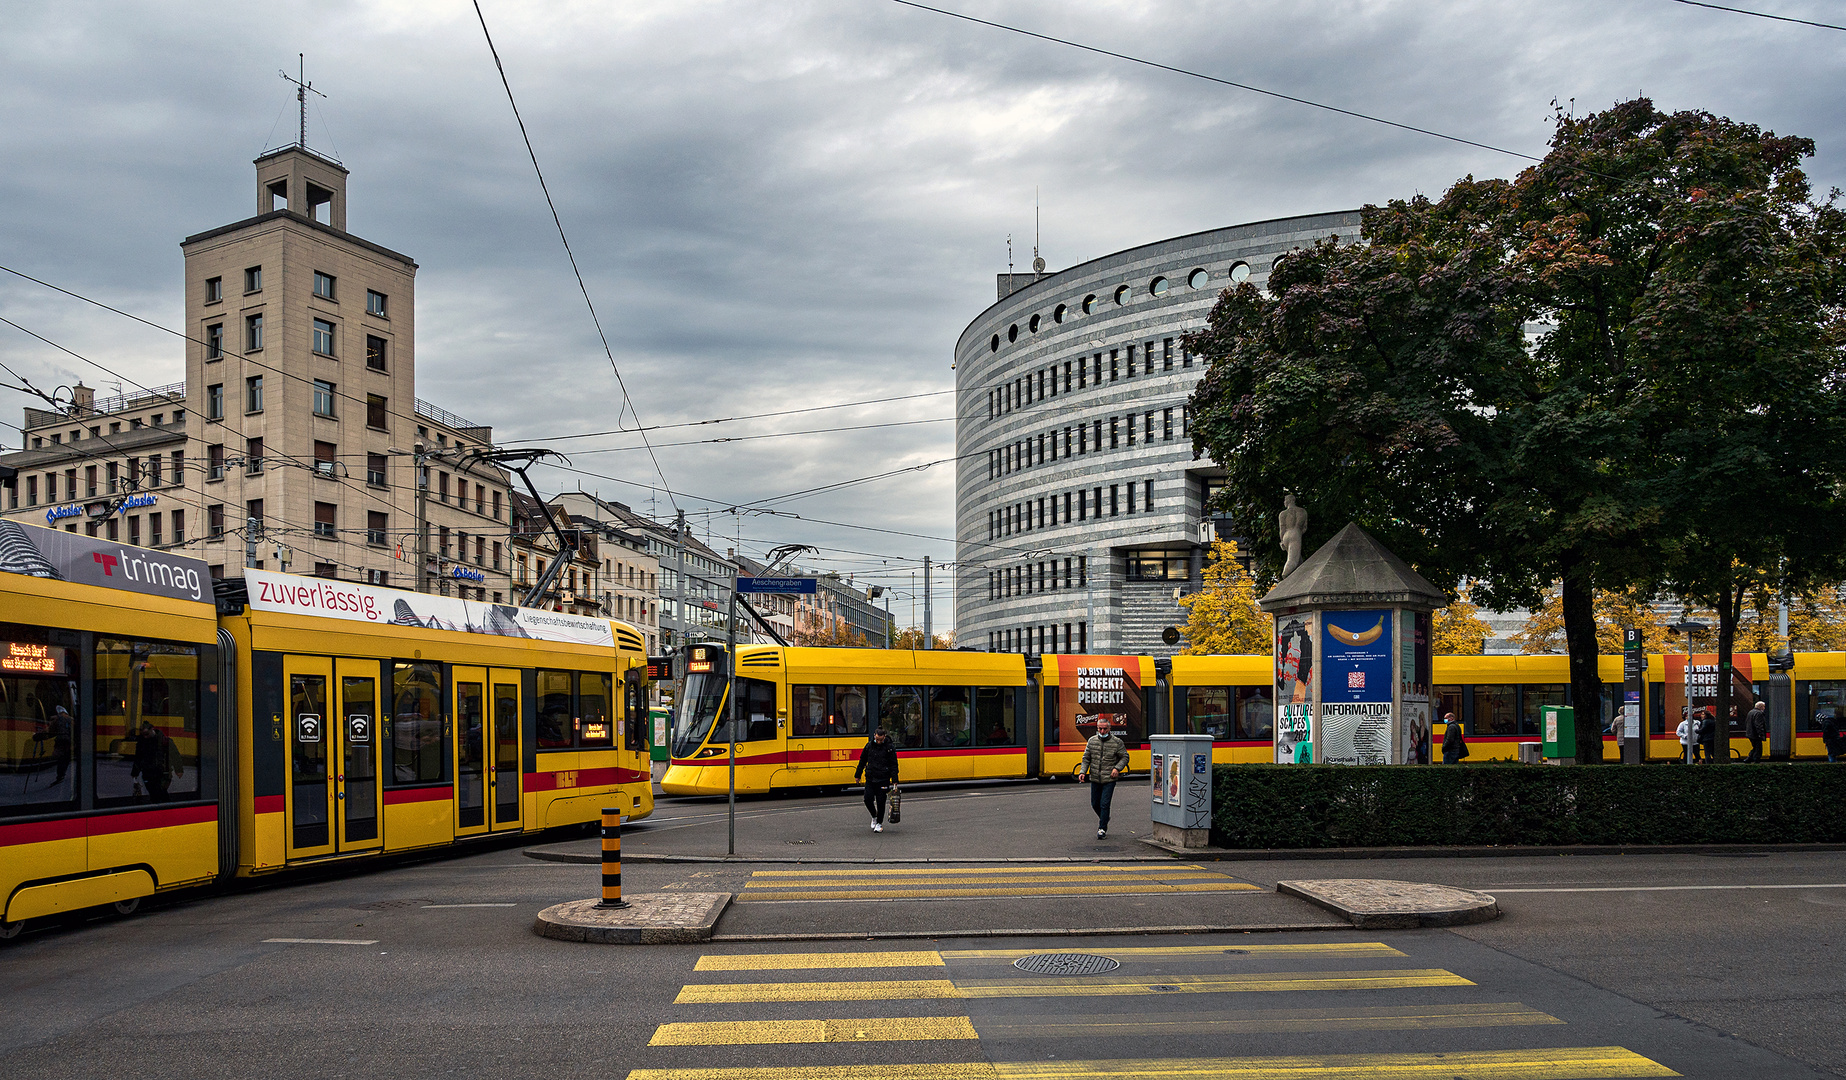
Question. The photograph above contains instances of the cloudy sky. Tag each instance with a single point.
(780, 205)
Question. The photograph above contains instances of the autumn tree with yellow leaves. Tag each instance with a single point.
(1222, 617)
(1458, 629)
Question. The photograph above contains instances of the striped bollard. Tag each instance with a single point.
(612, 860)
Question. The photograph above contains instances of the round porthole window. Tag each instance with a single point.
(1057, 313)
(1121, 295)
(1240, 272)
(1012, 333)
(996, 343)
(1034, 323)
(1158, 286)
(1198, 278)
(1089, 304)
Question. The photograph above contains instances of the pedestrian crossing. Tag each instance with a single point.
(982, 882)
(804, 1006)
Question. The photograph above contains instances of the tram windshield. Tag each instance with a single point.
(696, 711)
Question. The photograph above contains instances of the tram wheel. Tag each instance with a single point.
(127, 907)
(11, 930)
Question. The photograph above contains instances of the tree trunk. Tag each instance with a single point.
(1580, 641)
(1730, 604)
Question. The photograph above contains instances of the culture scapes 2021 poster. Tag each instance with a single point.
(1091, 687)
(1355, 687)
(1294, 686)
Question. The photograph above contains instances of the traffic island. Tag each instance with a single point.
(668, 918)
(1394, 905)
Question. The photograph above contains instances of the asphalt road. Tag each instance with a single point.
(1710, 967)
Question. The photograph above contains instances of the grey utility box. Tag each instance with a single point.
(1181, 775)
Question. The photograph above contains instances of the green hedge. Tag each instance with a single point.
(1319, 806)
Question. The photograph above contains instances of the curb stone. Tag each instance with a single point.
(675, 918)
(1394, 905)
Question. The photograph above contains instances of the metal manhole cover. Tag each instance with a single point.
(386, 905)
(1066, 963)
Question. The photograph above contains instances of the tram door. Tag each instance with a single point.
(333, 796)
(504, 782)
(471, 759)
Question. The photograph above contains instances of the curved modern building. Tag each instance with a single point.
(1078, 504)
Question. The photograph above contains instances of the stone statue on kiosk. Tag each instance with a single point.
(1293, 522)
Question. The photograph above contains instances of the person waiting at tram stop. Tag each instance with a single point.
(157, 762)
(1756, 729)
(1105, 759)
(1454, 742)
(878, 765)
(1829, 720)
(1687, 733)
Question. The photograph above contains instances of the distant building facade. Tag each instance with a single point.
(1079, 504)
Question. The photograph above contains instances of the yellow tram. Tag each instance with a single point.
(156, 735)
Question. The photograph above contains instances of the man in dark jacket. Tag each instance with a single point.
(878, 766)
(1830, 732)
(1454, 742)
(1756, 727)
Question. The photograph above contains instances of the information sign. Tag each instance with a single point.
(788, 586)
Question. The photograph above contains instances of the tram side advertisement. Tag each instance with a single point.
(1294, 689)
(1092, 687)
(332, 599)
(1356, 684)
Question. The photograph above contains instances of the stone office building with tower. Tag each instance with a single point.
(1079, 506)
(298, 413)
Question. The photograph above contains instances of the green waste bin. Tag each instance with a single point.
(1560, 732)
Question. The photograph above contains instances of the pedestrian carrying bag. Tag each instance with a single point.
(896, 813)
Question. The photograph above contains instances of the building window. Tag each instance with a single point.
(1131, 498)
(179, 526)
(375, 411)
(375, 525)
(253, 457)
(1166, 424)
(374, 352)
(442, 540)
(214, 461)
(442, 486)
(377, 577)
(496, 512)
(480, 551)
(253, 394)
(179, 468)
(253, 511)
(323, 285)
(323, 337)
(496, 554)
(1147, 500)
(323, 398)
(214, 341)
(375, 469)
(253, 279)
(153, 530)
(253, 332)
(214, 521)
(326, 569)
(480, 499)
(214, 402)
(326, 456)
(214, 289)
(375, 303)
(324, 519)
(1115, 433)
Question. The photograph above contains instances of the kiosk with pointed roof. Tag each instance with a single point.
(1352, 649)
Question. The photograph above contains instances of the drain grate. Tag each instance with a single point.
(1066, 963)
(386, 905)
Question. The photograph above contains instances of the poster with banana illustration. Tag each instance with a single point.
(1357, 680)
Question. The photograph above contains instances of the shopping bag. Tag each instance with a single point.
(896, 810)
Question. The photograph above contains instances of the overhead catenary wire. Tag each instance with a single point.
(1760, 14)
(571, 255)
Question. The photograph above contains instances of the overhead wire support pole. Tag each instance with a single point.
(730, 721)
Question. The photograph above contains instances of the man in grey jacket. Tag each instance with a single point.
(1105, 759)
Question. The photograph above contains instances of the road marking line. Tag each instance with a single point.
(982, 879)
(433, 907)
(1667, 888)
(1258, 1021)
(939, 989)
(1149, 887)
(763, 1032)
(316, 941)
(1338, 948)
(1571, 1063)
(803, 961)
(896, 871)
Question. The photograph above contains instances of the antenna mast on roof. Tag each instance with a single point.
(1038, 264)
(302, 89)
(1009, 260)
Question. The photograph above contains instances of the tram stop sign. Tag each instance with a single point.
(786, 586)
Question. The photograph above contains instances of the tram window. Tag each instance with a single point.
(594, 727)
(308, 711)
(950, 719)
(1448, 700)
(1534, 698)
(147, 722)
(416, 723)
(900, 713)
(1818, 700)
(1208, 711)
(634, 710)
(554, 711)
(849, 710)
(807, 711)
(996, 716)
(37, 725)
(758, 699)
(1495, 711)
(1256, 713)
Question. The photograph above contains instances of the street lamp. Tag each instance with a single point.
(873, 593)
